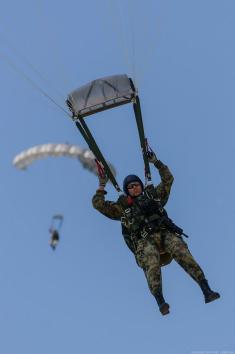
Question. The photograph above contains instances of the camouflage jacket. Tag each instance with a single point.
(115, 210)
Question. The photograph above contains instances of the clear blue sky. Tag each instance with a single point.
(89, 296)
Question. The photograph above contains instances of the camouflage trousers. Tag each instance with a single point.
(148, 258)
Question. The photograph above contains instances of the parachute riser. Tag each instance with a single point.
(140, 126)
(143, 140)
(84, 130)
(56, 222)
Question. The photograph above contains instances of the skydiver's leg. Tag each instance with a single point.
(148, 258)
(180, 252)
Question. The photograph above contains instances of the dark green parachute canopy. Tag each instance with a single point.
(101, 94)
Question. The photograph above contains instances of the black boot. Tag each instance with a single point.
(163, 306)
(208, 293)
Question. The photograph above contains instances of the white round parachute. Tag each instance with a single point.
(85, 156)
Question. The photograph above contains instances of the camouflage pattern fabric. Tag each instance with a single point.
(148, 251)
(148, 258)
(162, 190)
(110, 209)
(114, 210)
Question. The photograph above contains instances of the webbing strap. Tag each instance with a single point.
(84, 130)
(140, 126)
(100, 169)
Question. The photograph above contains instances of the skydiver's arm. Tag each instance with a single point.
(164, 188)
(110, 209)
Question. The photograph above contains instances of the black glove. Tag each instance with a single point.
(103, 180)
(152, 157)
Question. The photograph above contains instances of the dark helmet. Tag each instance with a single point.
(129, 179)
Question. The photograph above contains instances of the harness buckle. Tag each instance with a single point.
(123, 221)
(126, 220)
(148, 194)
(144, 234)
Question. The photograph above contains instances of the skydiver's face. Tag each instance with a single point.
(134, 189)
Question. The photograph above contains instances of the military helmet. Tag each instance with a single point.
(129, 179)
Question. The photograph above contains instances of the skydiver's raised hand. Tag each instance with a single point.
(103, 178)
(152, 157)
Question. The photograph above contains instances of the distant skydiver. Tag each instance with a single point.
(153, 238)
(56, 223)
(55, 237)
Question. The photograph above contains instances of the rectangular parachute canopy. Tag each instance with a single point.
(101, 94)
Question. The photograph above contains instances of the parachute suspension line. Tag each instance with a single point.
(151, 52)
(50, 35)
(132, 41)
(32, 82)
(30, 65)
(59, 219)
(117, 11)
(84, 130)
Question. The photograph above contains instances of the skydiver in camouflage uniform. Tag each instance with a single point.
(153, 238)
